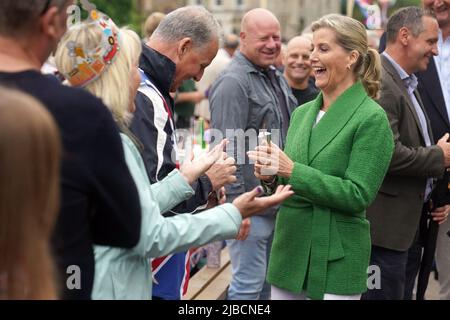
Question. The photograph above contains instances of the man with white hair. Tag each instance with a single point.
(182, 46)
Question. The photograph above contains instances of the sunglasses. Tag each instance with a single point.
(46, 7)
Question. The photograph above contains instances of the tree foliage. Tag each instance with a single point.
(404, 3)
(124, 13)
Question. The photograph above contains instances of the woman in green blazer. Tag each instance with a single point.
(337, 152)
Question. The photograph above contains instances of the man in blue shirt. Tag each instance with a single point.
(402, 206)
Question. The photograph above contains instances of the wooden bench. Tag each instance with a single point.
(211, 283)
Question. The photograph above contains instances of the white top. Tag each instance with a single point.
(319, 117)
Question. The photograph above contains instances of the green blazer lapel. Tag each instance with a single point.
(302, 132)
(336, 118)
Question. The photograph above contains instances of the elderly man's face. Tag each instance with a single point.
(442, 10)
(193, 63)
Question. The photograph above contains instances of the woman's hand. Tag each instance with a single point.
(271, 161)
(192, 169)
(249, 204)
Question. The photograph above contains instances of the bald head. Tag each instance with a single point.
(257, 17)
(300, 41)
(297, 62)
(260, 37)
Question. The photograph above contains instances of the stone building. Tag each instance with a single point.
(294, 15)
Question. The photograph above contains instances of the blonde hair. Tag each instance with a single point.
(351, 35)
(152, 23)
(29, 197)
(113, 86)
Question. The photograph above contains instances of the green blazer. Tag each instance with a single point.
(322, 238)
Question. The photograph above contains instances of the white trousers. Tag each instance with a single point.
(280, 294)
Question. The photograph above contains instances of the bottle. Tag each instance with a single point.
(265, 140)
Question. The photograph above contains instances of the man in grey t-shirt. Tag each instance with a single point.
(248, 96)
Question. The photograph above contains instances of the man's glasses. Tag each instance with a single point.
(47, 5)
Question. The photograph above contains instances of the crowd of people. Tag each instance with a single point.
(98, 202)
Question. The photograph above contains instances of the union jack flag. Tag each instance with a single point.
(171, 275)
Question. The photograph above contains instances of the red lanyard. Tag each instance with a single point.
(146, 80)
(166, 106)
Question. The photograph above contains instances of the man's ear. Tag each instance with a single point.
(183, 47)
(242, 36)
(403, 35)
(51, 23)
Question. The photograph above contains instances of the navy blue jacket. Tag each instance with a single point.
(161, 70)
(100, 203)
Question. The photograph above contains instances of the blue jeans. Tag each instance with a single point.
(249, 261)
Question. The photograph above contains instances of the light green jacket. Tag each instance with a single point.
(126, 274)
